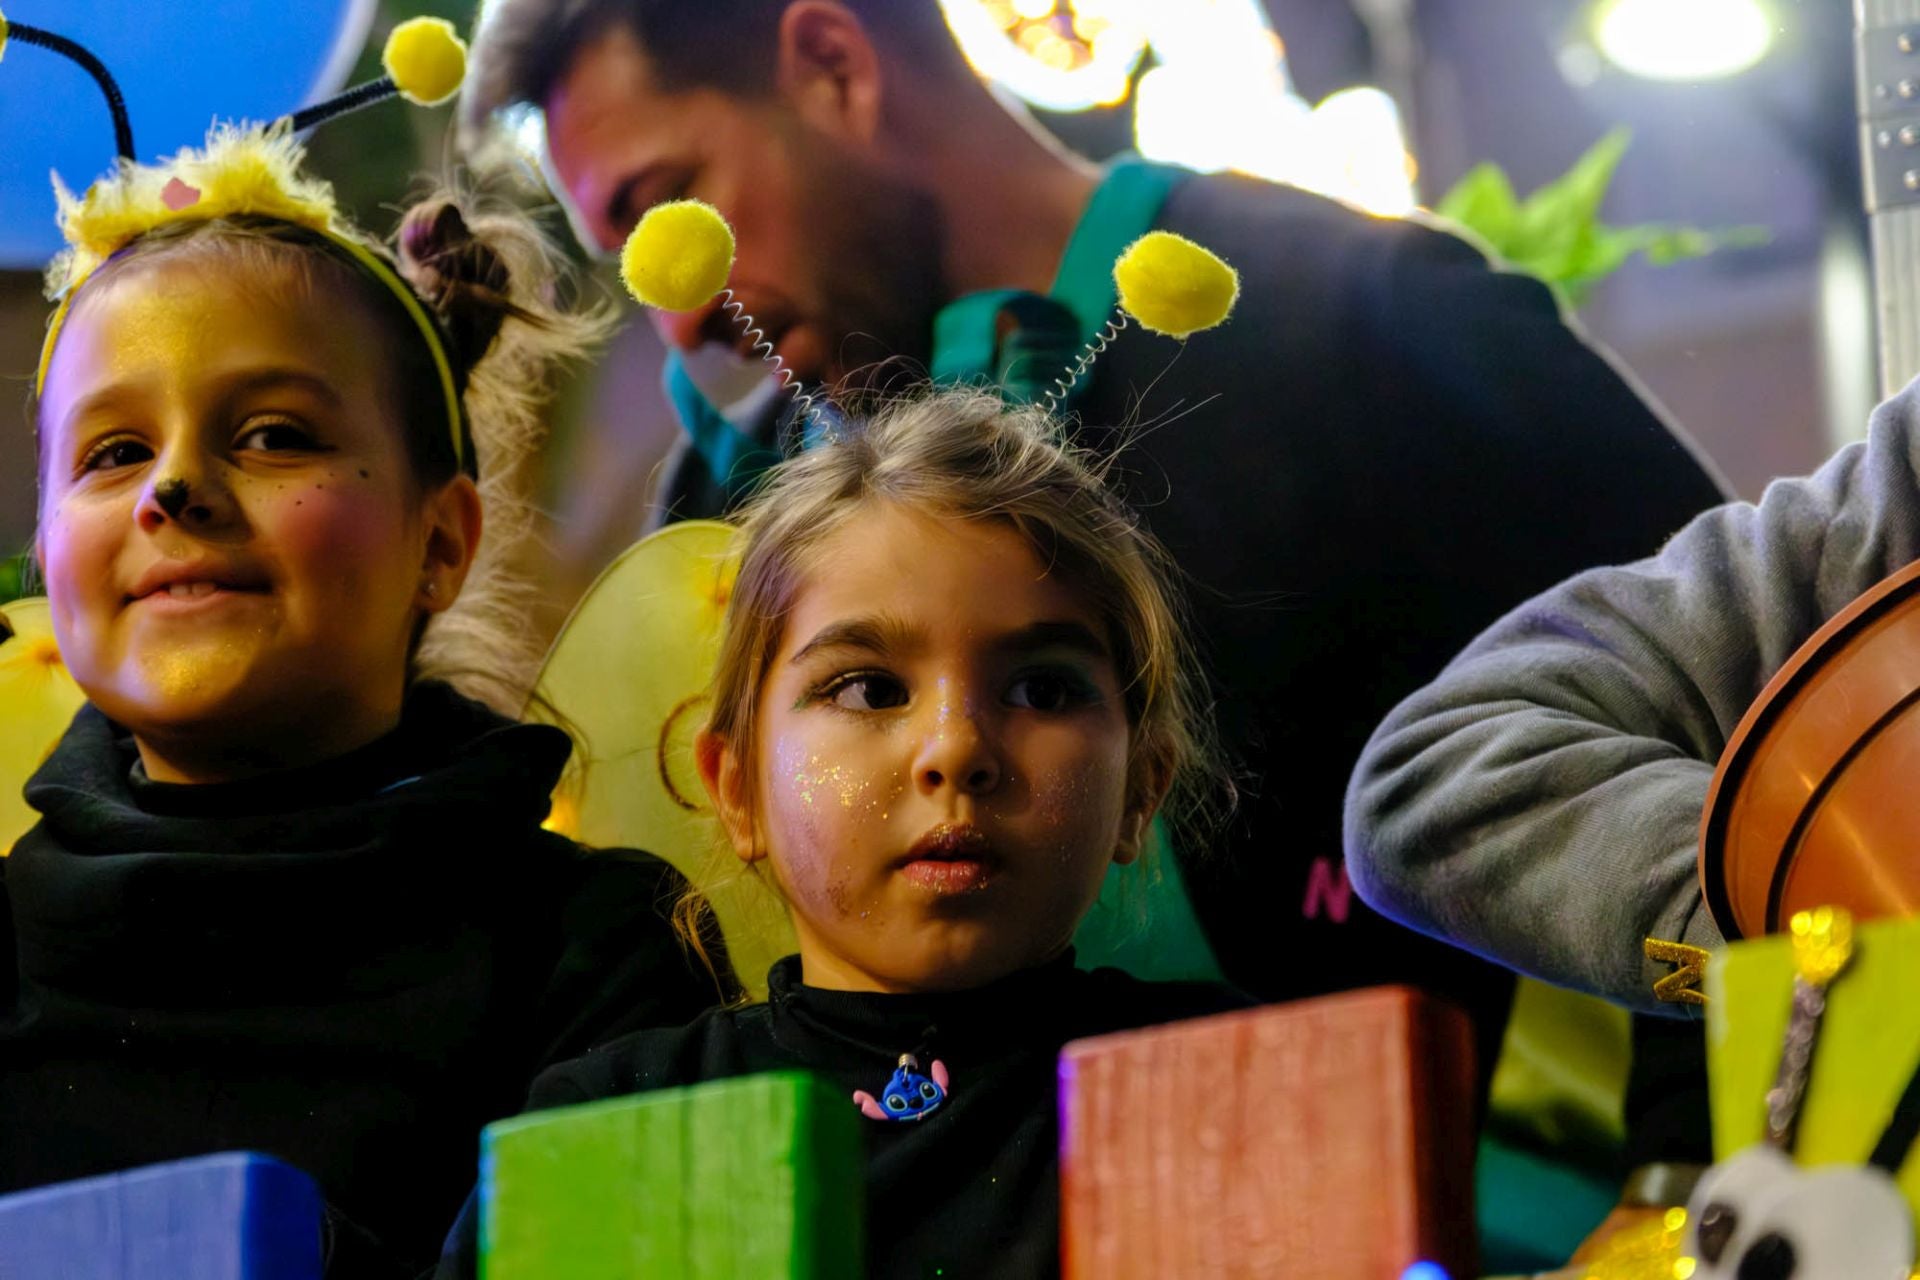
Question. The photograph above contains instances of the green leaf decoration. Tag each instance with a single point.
(1483, 200)
(14, 577)
(1556, 233)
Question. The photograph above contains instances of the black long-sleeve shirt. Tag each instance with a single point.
(970, 1190)
(352, 967)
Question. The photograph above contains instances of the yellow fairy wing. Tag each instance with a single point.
(40, 699)
(628, 678)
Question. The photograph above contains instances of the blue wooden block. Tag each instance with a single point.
(234, 1216)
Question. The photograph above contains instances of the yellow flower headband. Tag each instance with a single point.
(246, 171)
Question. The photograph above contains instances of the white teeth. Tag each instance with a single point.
(190, 590)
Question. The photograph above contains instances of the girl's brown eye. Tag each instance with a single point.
(116, 453)
(868, 693)
(274, 437)
(1052, 690)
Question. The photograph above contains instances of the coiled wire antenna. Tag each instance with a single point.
(1064, 384)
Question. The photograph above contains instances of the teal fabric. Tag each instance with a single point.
(736, 459)
(1144, 923)
(1533, 1210)
(972, 342)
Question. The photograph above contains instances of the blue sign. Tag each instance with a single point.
(181, 65)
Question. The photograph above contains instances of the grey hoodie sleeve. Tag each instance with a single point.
(1539, 803)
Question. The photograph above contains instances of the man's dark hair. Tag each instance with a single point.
(524, 47)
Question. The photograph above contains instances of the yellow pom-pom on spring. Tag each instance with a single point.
(426, 60)
(3, 35)
(1170, 285)
(1173, 286)
(679, 256)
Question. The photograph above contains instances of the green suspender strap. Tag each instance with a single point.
(1021, 342)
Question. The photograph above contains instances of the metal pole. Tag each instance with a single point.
(1887, 67)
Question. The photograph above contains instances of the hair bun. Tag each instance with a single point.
(464, 278)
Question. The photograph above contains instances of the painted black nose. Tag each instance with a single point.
(172, 494)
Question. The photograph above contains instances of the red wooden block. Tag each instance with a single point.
(1330, 1139)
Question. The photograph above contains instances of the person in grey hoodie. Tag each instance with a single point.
(1539, 803)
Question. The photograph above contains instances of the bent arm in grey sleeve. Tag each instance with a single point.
(1539, 803)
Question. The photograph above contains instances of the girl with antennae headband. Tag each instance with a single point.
(953, 689)
(289, 890)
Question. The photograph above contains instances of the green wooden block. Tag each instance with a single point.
(757, 1178)
(1869, 1045)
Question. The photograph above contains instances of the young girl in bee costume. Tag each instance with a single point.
(953, 689)
(289, 890)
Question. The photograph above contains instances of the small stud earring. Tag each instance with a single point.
(433, 589)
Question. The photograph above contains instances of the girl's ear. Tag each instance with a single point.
(453, 523)
(1152, 780)
(724, 774)
(829, 70)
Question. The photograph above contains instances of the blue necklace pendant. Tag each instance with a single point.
(908, 1095)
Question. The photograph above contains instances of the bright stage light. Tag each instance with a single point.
(1217, 98)
(1350, 146)
(1064, 57)
(1682, 39)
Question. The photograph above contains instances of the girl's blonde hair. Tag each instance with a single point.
(491, 280)
(968, 455)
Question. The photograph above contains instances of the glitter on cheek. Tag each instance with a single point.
(1061, 793)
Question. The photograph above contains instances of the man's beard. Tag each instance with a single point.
(880, 276)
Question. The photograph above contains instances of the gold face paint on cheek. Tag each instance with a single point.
(185, 668)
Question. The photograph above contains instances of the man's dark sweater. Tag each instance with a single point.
(352, 967)
(1386, 447)
(971, 1190)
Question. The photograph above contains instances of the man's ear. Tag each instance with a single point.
(1152, 780)
(724, 774)
(453, 523)
(829, 69)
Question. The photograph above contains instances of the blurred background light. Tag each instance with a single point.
(1683, 39)
(1059, 56)
(1215, 97)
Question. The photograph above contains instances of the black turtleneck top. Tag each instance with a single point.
(972, 1189)
(353, 966)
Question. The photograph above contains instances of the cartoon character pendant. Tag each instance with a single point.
(908, 1095)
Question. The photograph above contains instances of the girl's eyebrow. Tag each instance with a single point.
(1070, 635)
(876, 633)
(884, 633)
(229, 387)
(274, 377)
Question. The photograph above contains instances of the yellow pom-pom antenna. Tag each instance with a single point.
(426, 60)
(3, 35)
(679, 256)
(1173, 286)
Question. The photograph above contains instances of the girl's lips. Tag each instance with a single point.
(951, 841)
(943, 876)
(951, 858)
(196, 596)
